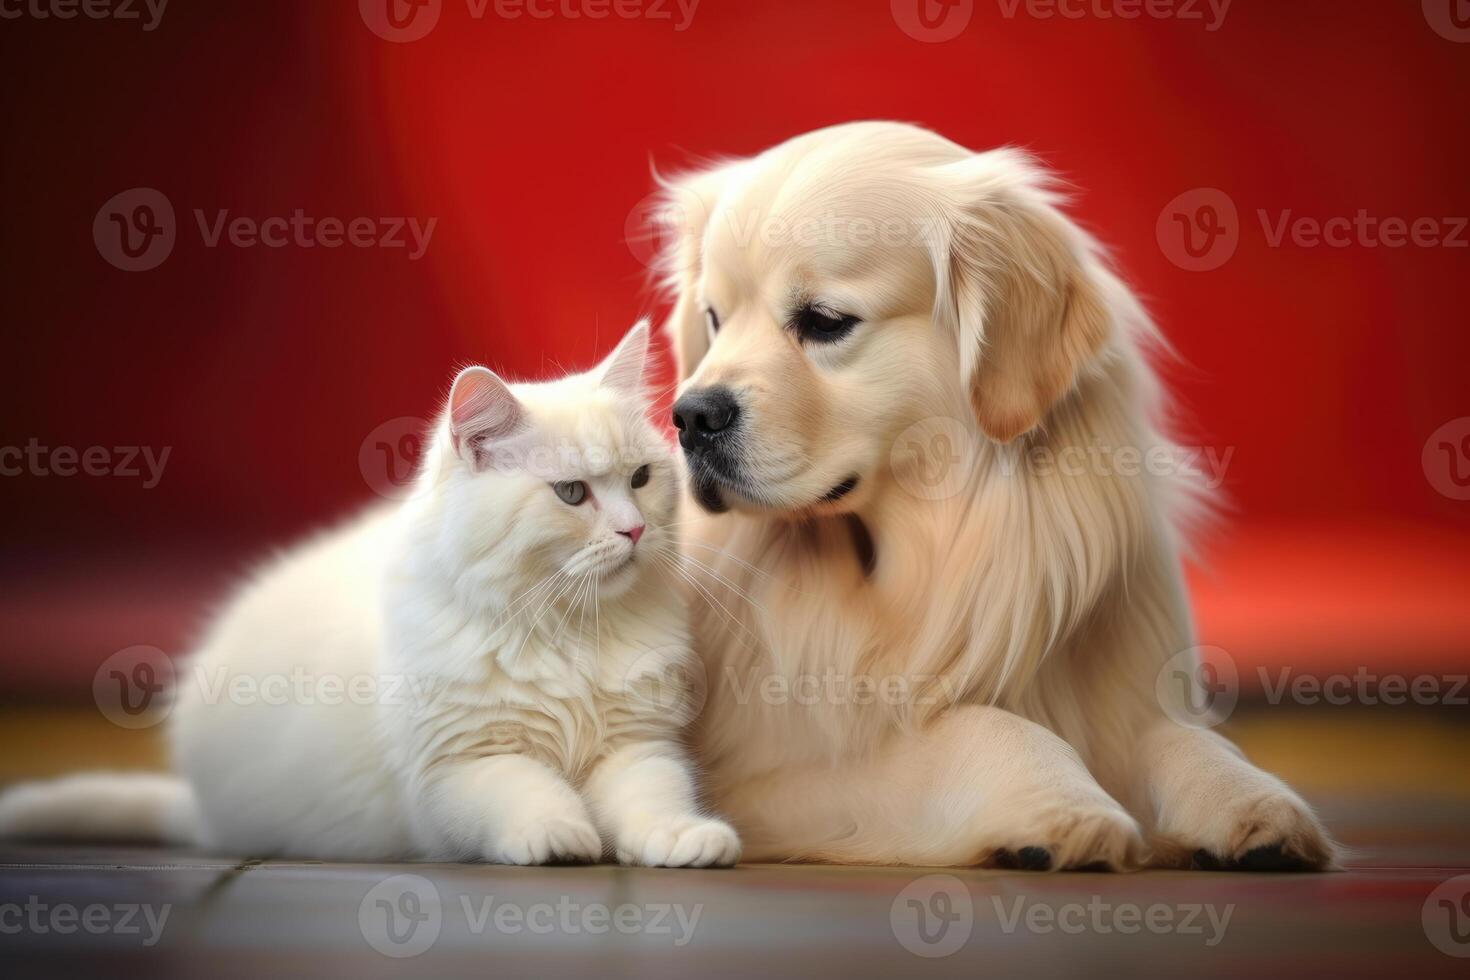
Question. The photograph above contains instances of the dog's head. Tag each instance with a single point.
(846, 285)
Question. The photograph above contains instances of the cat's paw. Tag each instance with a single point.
(680, 842)
(542, 841)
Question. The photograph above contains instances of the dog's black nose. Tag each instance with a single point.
(701, 415)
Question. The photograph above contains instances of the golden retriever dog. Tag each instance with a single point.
(926, 638)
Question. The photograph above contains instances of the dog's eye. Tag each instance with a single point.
(822, 326)
(640, 477)
(571, 491)
(712, 320)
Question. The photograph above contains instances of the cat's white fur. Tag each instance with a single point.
(481, 672)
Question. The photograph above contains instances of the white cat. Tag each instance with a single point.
(486, 671)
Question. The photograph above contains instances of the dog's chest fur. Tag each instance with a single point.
(795, 631)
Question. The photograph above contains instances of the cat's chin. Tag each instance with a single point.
(615, 582)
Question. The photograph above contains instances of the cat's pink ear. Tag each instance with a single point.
(623, 369)
(482, 409)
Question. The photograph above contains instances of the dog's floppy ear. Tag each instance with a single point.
(1018, 283)
(685, 205)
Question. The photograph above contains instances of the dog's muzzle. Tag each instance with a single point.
(705, 418)
(708, 421)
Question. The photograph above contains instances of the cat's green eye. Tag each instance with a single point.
(571, 491)
(640, 476)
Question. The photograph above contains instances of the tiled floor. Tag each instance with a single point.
(109, 911)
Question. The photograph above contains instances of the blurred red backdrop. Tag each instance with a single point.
(1323, 370)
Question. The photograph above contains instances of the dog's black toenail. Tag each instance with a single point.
(1272, 857)
(1035, 858)
(1205, 861)
(1025, 859)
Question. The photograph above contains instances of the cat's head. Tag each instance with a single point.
(566, 478)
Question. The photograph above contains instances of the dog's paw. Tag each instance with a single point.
(680, 842)
(544, 841)
(1102, 838)
(1265, 832)
(1026, 859)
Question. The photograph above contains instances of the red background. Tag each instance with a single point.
(1324, 369)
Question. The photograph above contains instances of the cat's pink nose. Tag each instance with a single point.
(633, 532)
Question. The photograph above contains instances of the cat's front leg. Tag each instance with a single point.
(643, 796)
(509, 809)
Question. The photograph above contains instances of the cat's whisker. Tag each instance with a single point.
(589, 600)
(554, 583)
(720, 577)
(576, 601)
(528, 598)
(753, 569)
(701, 566)
(743, 637)
(550, 578)
(546, 594)
(531, 630)
(597, 616)
(712, 600)
(574, 588)
(582, 616)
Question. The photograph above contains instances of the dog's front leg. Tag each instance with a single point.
(1215, 810)
(979, 786)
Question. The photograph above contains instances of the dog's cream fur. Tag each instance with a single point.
(987, 683)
